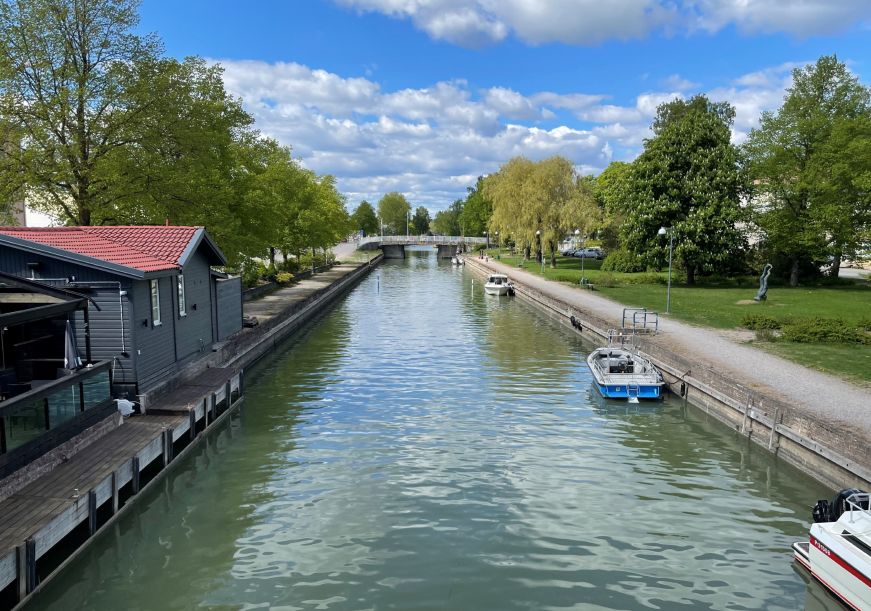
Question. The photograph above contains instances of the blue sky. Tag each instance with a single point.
(422, 96)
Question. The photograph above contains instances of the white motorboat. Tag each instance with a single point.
(621, 373)
(838, 551)
(457, 260)
(498, 284)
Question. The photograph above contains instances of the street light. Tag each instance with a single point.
(668, 231)
(540, 250)
(497, 239)
(578, 239)
(486, 235)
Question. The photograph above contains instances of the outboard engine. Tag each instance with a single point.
(824, 511)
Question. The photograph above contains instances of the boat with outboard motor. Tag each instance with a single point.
(457, 260)
(838, 551)
(621, 373)
(498, 284)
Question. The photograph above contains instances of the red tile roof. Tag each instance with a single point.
(146, 248)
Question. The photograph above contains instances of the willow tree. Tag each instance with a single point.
(538, 203)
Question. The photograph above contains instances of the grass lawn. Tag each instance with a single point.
(718, 307)
(851, 362)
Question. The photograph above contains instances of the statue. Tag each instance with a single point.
(763, 283)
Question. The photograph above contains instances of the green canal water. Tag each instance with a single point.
(424, 446)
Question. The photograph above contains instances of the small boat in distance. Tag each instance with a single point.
(621, 373)
(457, 260)
(498, 284)
(838, 551)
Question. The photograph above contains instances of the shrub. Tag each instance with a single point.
(252, 272)
(283, 277)
(824, 331)
(756, 322)
(622, 261)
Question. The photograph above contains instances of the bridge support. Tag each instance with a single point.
(393, 251)
(446, 251)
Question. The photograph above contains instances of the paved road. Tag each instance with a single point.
(802, 387)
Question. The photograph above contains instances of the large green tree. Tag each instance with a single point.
(420, 221)
(364, 218)
(807, 161)
(73, 82)
(393, 210)
(688, 180)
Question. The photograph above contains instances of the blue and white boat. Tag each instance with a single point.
(621, 373)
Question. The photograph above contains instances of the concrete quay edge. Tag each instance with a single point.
(826, 449)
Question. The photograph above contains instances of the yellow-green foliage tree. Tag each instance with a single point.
(536, 204)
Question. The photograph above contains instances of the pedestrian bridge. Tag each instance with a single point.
(393, 246)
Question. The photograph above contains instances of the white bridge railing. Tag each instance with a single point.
(435, 240)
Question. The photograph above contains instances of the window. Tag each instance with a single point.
(182, 307)
(155, 303)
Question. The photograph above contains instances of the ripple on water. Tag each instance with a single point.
(424, 446)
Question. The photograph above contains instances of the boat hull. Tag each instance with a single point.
(621, 391)
(496, 290)
(838, 572)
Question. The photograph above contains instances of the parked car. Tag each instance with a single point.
(589, 253)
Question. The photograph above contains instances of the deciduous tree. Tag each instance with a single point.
(687, 179)
(364, 218)
(804, 159)
(420, 221)
(393, 211)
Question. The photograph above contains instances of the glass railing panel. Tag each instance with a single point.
(63, 405)
(96, 389)
(25, 423)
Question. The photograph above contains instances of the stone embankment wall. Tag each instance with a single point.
(827, 450)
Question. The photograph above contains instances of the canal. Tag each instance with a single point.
(424, 446)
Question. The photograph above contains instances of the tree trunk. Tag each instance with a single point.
(836, 266)
(793, 273)
(691, 275)
(527, 252)
(272, 257)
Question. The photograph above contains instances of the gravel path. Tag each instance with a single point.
(814, 392)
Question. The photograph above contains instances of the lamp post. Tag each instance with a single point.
(497, 240)
(668, 231)
(487, 235)
(540, 250)
(580, 242)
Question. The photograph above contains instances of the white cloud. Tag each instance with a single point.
(676, 82)
(478, 22)
(797, 17)
(430, 143)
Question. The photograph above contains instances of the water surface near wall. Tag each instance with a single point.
(424, 446)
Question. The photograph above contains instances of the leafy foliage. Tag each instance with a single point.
(687, 180)
(364, 218)
(811, 161)
(536, 204)
(420, 221)
(393, 211)
(622, 261)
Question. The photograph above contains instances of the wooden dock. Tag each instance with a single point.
(40, 515)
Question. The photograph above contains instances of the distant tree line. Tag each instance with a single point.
(797, 193)
(98, 127)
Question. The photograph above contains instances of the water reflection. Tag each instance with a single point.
(427, 446)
